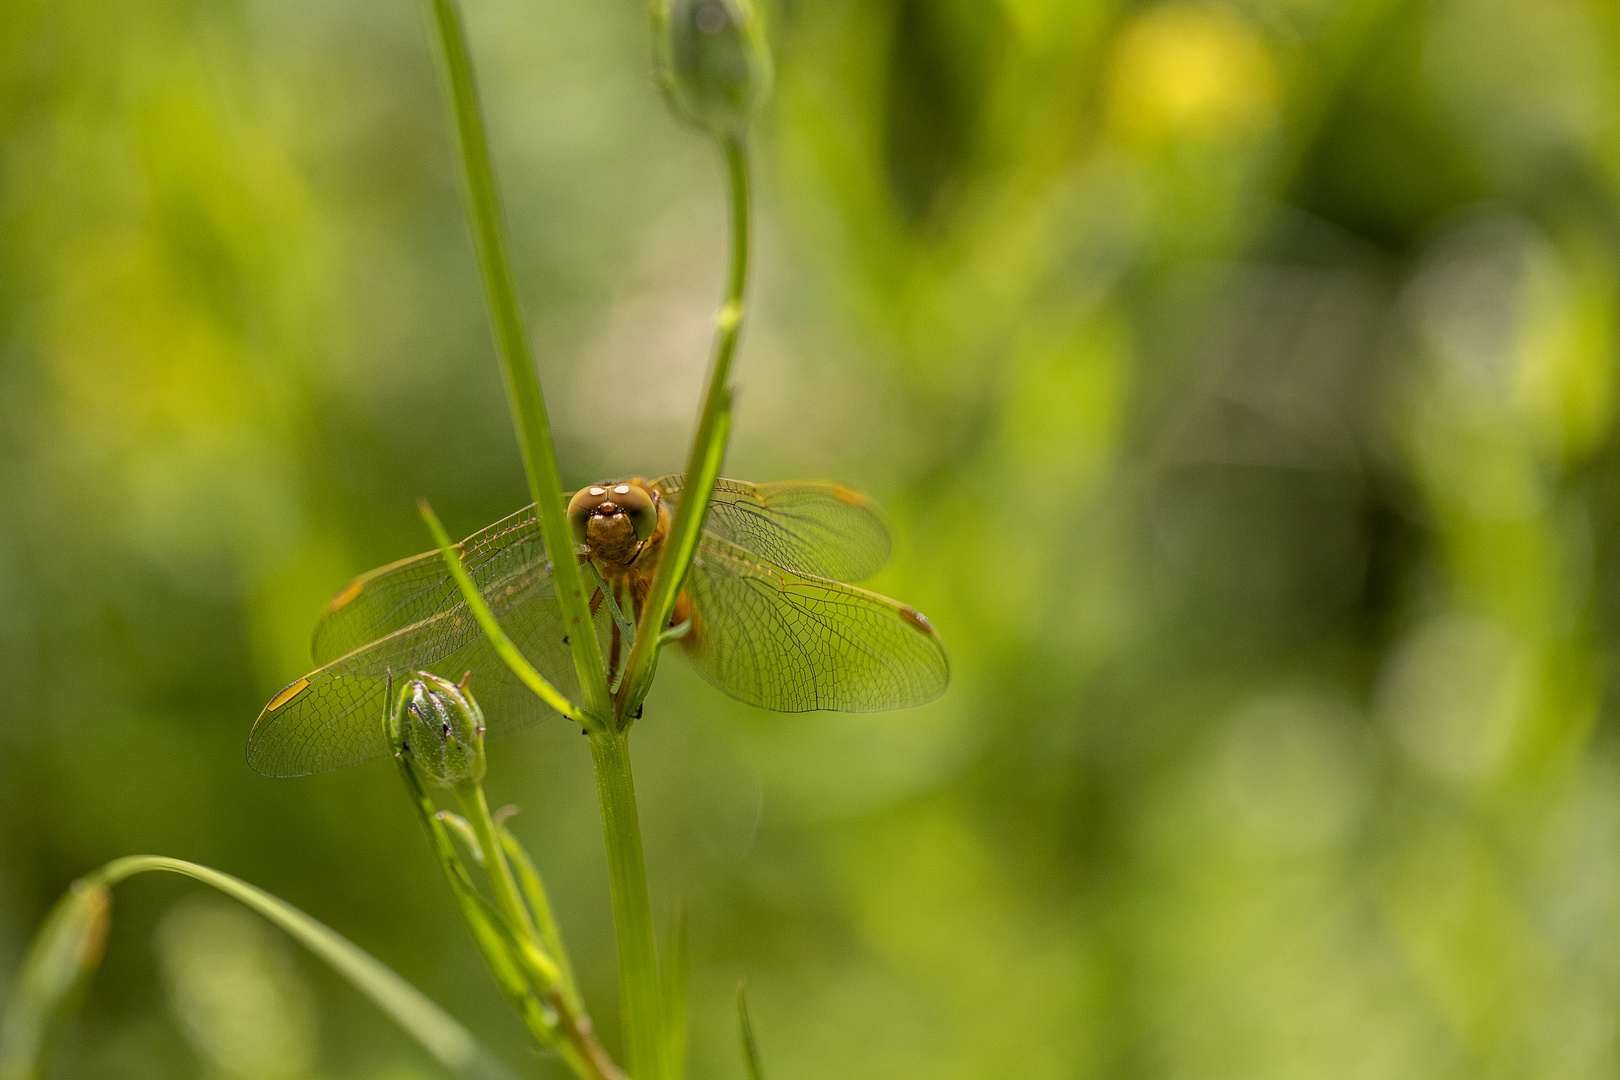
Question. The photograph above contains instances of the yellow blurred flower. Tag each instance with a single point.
(1184, 70)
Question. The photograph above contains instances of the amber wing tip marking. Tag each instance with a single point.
(350, 591)
(291, 691)
(844, 494)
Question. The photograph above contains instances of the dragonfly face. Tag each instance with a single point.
(621, 526)
(773, 620)
(619, 523)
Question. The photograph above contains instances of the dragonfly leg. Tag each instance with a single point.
(614, 598)
(613, 651)
(621, 651)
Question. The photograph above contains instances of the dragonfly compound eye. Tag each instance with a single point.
(580, 508)
(613, 519)
(637, 505)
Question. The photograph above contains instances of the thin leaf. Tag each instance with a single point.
(534, 891)
(464, 832)
(68, 945)
(492, 630)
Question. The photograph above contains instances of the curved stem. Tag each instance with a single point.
(708, 446)
(442, 1036)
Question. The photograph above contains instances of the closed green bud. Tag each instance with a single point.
(65, 953)
(442, 729)
(713, 65)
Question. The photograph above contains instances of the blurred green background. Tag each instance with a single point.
(1240, 380)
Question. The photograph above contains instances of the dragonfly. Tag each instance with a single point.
(766, 614)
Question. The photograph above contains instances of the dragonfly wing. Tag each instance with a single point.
(404, 593)
(332, 718)
(814, 527)
(791, 642)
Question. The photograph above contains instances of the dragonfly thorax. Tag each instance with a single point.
(615, 520)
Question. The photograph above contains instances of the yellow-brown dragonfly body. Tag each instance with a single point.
(767, 614)
(621, 529)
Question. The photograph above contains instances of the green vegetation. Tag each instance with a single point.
(1239, 381)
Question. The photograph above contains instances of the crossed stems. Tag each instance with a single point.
(603, 711)
(640, 992)
(606, 717)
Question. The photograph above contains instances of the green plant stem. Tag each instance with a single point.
(639, 989)
(708, 445)
(632, 912)
(501, 882)
(632, 915)
(517, 363)
(495, 940)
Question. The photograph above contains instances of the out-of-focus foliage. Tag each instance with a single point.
(235, 992)
(1240, 379)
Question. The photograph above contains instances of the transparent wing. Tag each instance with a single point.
(405, 593)
(332, 718)
(793, 643)
(814, 527)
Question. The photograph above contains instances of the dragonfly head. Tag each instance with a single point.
(614, 520)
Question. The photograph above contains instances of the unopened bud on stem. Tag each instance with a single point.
(442, 729)
(713, 64)
(53, 977)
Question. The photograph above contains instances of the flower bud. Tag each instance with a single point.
(65, 953)
(713, 64)
(442, 729)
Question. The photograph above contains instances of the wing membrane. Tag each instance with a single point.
(817, 528)
(822, 529)
(332, 718)
(404, 593)
(791, 642)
